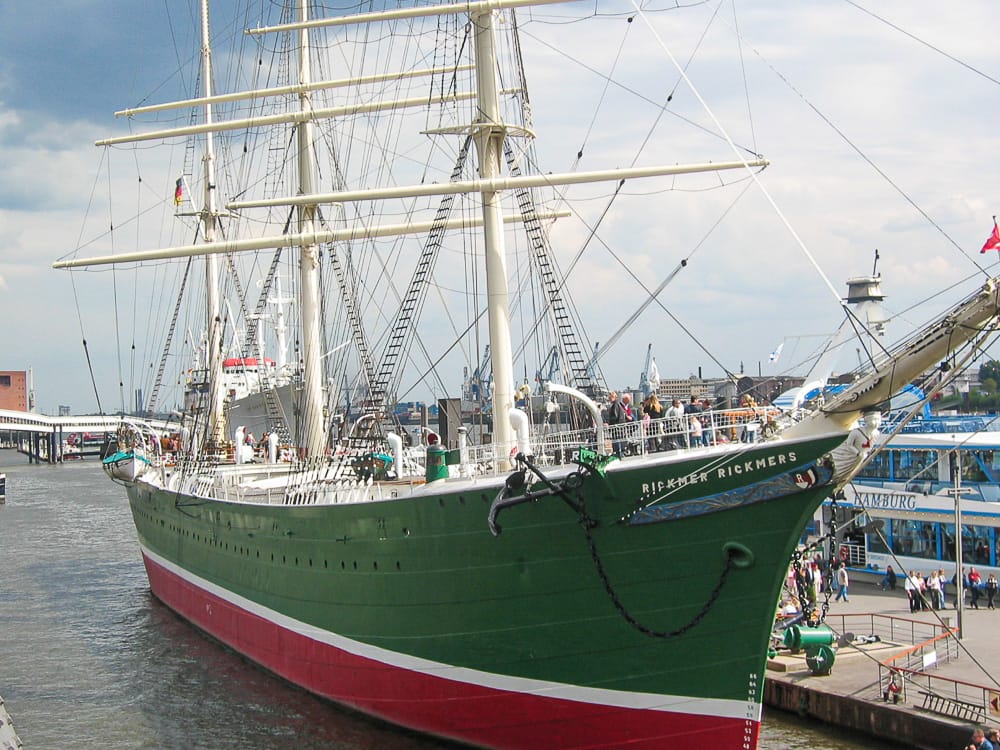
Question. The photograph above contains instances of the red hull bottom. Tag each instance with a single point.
(461, 711)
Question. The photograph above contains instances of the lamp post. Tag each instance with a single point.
(956, 491)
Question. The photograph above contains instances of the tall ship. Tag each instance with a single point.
(520, 586)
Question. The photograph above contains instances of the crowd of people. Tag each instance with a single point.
(684, 425)
(984, 739)
(924, 592)
(930, 592)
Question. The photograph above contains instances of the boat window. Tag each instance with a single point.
(914, 538)
(913, 464)
(877, 543)
(878, 467)
(972, 471)
(976, 543)
(900, 465)
(948, 542)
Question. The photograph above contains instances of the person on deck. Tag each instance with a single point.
(653, 410)
(616, 416)
(676, 429)
(979, 741)
(695, 430)
(627, 407)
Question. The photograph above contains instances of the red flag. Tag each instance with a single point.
(179, 196)
(993, 242)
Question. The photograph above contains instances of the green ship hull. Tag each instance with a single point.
(638, 600)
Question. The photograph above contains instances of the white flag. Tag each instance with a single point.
(653, 376)
(776, 353)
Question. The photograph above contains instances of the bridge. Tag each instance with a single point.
(43, 438)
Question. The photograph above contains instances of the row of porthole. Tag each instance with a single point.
(284, 561)
(461, 499)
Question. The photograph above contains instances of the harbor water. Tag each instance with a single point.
(88, 658)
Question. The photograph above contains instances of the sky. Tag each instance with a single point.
(879, 121)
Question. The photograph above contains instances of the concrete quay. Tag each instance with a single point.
(948, 686)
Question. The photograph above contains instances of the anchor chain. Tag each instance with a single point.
(573, 483)
(813, 619)
(630, 619)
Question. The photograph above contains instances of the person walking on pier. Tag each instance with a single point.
(991, 590)
(934, 589)
(925, 602)
(975, 581)
(842, 581)
(889, 581)
(912, 590)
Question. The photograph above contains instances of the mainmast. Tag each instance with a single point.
(489, 133)
(311, 418)
(215, 430)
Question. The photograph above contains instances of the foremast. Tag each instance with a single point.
(489, 134)
(313, 437)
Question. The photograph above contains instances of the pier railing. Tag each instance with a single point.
(904, 676)
(938, 694)
(931, 640)
(908, 675)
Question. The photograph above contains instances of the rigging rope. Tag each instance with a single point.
(843, 136)
(927, 44)
(736, 152)
(652, 296)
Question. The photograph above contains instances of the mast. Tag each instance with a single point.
(215, 429)
(311, 418)
(489, 137)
